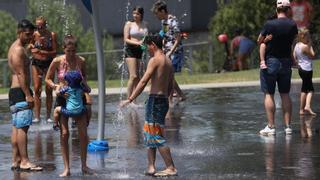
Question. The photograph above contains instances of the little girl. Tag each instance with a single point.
(74, 93)
(304, 53)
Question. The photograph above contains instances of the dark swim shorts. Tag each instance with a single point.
(156, 109)
(20, 111)
(278, 72)
(42, 64)
(133, 51)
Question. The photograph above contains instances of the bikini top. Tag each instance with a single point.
(137, 32)
(63, 68)
(45, 44)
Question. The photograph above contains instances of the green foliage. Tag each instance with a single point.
(61, 19)
(8, 33)
(65, 19)
(315, 25)
(247, 15)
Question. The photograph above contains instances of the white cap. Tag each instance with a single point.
(283, 3)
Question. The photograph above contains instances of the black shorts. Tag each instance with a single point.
(307, 84)
(133, 51)
(42, 64)
(17, 95)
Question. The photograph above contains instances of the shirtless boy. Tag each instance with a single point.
(160, 71)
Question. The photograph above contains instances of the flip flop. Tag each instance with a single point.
(165, 173)
(31, 167)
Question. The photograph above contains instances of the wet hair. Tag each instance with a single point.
(154, 38)
(140, 10)
(24, 25)
(74, 79)
(69, 40)
(159, 6)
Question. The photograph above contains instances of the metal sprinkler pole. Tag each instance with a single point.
(101, 71)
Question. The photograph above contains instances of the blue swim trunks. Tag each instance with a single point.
(177, 60)
(21, 115)
(156, 109)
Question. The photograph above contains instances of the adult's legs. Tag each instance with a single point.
(83, 136)
(286, 108)
(151, 160)
(88, 114)
(133, 67)
(49, 100)
(56, 115)
(15, 150)
(242, 62)
(37, 85)
(178, 90)
(308, 103)
(64, 137)
(269, 105)
(303, 97)
(22, 142)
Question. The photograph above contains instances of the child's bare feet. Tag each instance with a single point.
(65, 173)
(87, 170)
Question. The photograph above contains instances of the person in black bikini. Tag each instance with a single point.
(43, 49)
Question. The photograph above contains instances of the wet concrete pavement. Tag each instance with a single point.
(213, 135)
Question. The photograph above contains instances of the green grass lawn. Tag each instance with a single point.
(185, 78)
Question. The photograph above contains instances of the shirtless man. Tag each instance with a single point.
(20, 97)
(160, 71)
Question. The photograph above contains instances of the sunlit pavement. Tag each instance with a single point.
(212, 135)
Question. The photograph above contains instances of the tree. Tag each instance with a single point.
(8, 32)
(315, 25)
(247, 15)
(65, 19)
(62, 19)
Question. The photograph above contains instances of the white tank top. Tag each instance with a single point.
(137, 33)
(304, 61)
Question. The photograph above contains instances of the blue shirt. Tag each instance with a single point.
(74, 102)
